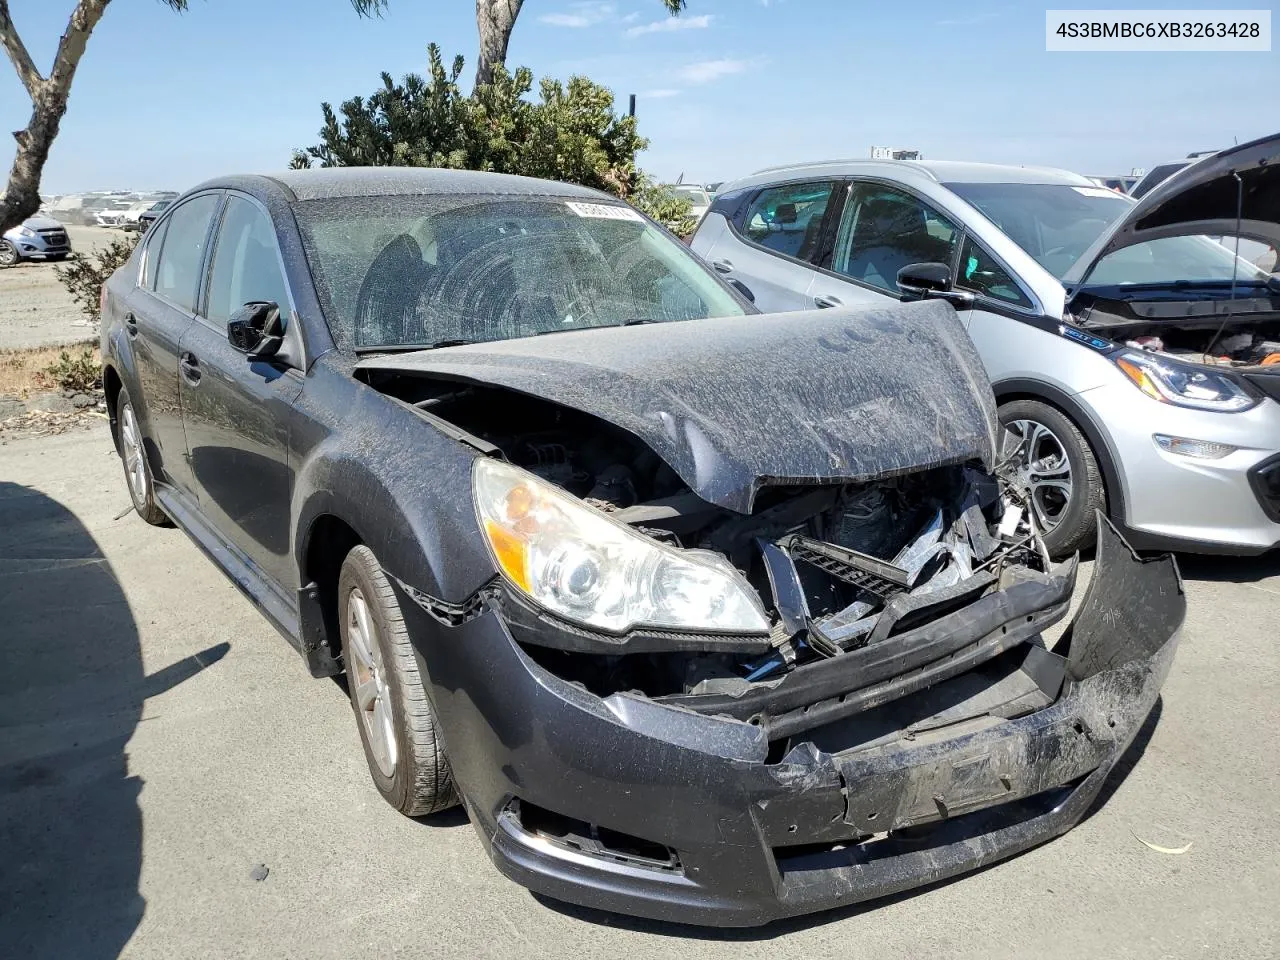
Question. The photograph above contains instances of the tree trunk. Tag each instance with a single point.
(21, 198)
(495, 20)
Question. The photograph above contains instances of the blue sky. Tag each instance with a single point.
(164, 100)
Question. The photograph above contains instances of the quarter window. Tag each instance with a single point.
(788, 219)
(885, 229)
(246, 264)
(151, 256)
(178, 272)
(980, 273)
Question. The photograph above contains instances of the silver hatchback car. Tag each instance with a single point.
(1135, 357)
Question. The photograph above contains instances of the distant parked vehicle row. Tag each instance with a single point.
(1136, 360)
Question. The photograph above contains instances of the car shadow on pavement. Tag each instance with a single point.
(778, 928)
(1230, 569)
(72, 690)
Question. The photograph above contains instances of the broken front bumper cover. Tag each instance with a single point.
(631, 805)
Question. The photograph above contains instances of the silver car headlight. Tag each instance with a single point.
(1183, 384)
(576, 562)
(25, 231)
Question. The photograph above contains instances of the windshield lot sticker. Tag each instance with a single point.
(603, 211)
(1095, 192)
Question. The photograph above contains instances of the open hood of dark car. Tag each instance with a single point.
(1233, 192)
(737, 403)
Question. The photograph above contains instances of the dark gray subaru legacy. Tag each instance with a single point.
(703, 614)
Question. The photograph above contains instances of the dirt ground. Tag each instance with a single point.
(35, 310)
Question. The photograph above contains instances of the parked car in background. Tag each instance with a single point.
(592, 540)
(1133, 357)
(36, 238)
(148, 216)
(696, 194)
(130, 219)
(1162, 172)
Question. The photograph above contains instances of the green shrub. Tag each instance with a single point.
(78, 374)
(83, 276)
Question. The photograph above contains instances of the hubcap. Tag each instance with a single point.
(135, 468)
(1042, 468)
(8, 255)
(367, 676)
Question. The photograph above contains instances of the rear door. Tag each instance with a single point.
(772, 241)
(237, 412)
(883, 228)
(157, 313)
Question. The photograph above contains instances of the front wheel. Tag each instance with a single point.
(1055, 466)
(8, 254)
(397, 727)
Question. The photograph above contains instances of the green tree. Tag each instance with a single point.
(495, 19)
(570, 133)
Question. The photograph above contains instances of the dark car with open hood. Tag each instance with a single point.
(703, 614)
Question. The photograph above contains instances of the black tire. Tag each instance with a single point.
(1076, 527)
(421, 782)
(144, 498)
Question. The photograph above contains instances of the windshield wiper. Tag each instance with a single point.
(414, 347)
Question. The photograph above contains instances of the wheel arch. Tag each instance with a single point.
(1099, 438)
(111, 387)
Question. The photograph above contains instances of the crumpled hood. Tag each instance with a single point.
(736, 403)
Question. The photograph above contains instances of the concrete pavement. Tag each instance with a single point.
(158, 741)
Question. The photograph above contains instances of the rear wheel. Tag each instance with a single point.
(397, 727)
(137, 471)
(1056, 467)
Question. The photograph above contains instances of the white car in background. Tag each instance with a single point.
(696, 194)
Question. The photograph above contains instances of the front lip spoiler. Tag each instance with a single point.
(984, 795)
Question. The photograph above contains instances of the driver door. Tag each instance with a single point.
(237, 412)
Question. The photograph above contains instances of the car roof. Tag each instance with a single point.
(938, 171)
(331, 182)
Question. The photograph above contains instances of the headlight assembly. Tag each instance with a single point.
(579, 564)
(25, 231)
(1183, 384)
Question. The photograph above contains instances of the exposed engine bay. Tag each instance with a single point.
(838, 567)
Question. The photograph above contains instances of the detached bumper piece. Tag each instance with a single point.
(848, 779)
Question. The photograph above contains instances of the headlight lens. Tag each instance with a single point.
(580, 564)
(26, 232)
(1183, 384)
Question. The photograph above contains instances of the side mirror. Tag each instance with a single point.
(932, 280)
(256, 330)
(741, 287)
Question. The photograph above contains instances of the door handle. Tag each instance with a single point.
(131, 325)
(189, 367)
(721, 266)
(826, 302)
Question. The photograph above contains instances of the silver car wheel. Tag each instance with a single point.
(368, 678)
(1043, 469)
(135, 468)
(8, 254)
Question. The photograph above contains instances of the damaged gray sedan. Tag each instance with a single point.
(704, 615)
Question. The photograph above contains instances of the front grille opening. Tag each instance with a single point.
(592, 839)
(930, 836)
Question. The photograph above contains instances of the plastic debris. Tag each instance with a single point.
(259, 872)
(1172, 851)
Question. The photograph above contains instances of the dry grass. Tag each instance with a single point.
(22, 370)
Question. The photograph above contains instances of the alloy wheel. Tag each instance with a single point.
(135, 468)
(8, 255)
(367, 677)
(1042, 468)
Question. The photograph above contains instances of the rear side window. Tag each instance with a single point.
(980, 273)
(246, 264)
(788, 219)
(177, 274)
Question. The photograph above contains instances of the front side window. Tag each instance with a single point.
(885, 229)
(980, 273)
(788, 219)
(246, 264)
(399, 271)
(182, 254)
